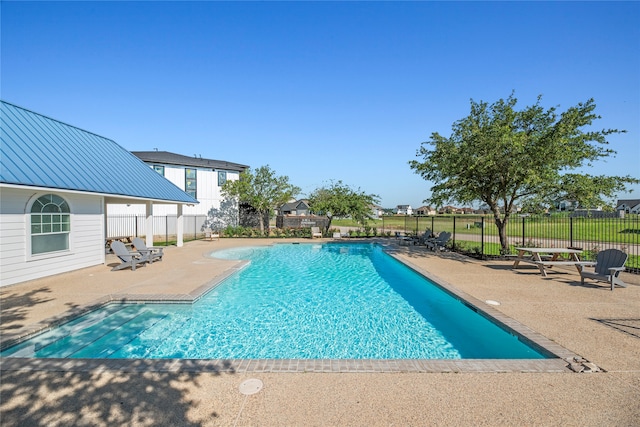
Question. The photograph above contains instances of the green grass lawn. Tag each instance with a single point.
(590, 233)
(605, 230)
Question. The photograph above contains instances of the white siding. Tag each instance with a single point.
(207, 192)
(86, 244)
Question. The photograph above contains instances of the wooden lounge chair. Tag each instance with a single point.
(609, 264)
(440, 242)
(127, 258)
(315, 232)
(152, 252)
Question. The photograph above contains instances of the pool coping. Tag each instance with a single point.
(559, 358)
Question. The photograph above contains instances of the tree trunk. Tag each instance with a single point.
(262, 215)
(501, 224)
(502, 232)
(328, 224)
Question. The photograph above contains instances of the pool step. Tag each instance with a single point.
(70, 344)
(54, 335)
(148, 344)
(113, 340)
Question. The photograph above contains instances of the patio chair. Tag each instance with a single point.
(211, 235)
(127, 258)
(609, 264)
(438, 243)
(424, 237)
(315, 232)
(153, 252)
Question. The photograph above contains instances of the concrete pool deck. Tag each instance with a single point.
(590, 321)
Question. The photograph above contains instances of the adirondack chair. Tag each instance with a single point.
(609, 264)
(424, 237)
(315, 232)
(127, 258)
(440, 242)
(152, 252)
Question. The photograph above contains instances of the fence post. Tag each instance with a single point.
(482, 236)
(454, 231)
(523, 232)
(571, 231)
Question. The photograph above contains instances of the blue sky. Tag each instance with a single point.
(318, 91)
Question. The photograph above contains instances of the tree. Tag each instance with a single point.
(499, 155)
(338, 200)
(262, 190)
(225, 216)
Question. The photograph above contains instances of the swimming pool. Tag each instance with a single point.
(307, 301)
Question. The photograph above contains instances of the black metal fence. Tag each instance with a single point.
(478, 234)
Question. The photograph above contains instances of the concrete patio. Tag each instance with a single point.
(601, 326)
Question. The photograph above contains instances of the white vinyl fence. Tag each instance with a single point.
(164, 227)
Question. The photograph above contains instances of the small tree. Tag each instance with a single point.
(502, 156)
(225, 216)
(340, 201)
(262, 190)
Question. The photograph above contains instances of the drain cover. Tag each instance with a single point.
(251, 386)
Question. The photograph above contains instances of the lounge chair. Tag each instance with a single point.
(315, 232)
(153, 252)
(438, 243)
(127, 258)
(609, 264)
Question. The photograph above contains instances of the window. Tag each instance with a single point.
(159, 169)
(222, 178)
(50, 224)
(190, 183)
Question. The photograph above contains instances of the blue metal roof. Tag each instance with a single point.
(39, 151)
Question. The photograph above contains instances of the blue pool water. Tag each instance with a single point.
(308, 301)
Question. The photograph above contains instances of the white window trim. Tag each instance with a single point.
(27, 226)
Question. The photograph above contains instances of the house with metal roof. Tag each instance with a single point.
(199, 177)
(56, 182)
(628, 206)
(297, 207)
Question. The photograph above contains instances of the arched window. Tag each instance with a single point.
(50, 224)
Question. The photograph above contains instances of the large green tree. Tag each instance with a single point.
(263, 190)
(338, 200)
(503, 156)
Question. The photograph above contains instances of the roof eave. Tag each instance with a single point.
(121, 197)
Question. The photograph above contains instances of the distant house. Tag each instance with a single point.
(296, 214)
(565, 205)
(200, 178)
(425, 210)
(404, 210)
(377, 211)
(450, 210)
(295, 208)
(55, 183)
(630, 206)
